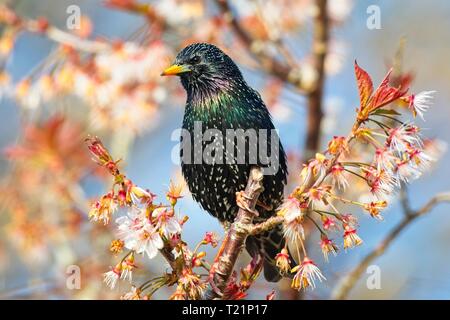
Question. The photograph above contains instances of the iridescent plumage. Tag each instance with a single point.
(219, 97)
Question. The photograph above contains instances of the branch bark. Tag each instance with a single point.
(315, 96)
(235, 239)
(350, 280)
(166, 252)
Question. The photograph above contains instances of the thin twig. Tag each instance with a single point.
(350, 280)
(75, 42)
(267, 225)
(404, 199)
(271, 65)
(42, 27)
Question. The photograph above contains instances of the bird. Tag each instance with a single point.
(220, 99)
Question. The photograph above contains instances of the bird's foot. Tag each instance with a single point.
(242, 202)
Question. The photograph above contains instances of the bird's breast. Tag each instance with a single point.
(221, 142)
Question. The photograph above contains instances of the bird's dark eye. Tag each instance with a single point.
(195, 60)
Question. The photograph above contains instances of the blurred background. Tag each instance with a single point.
(62, 80)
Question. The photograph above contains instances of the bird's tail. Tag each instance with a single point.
(268, 244)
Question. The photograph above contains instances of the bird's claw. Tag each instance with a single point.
(244, 195)
(241, 201)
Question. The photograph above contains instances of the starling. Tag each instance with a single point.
(219, 98)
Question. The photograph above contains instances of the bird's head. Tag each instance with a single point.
(203, 66)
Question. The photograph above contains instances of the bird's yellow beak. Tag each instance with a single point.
(175, 70)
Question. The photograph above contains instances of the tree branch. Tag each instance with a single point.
(41, 26)
(75, 42)
(166, 252)
(235, 238)
(270, 223)
(276, 68)
(350, 280)
(404, 200)
(315, 96)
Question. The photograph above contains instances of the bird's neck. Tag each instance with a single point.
(222, 106)
(208, 91)
(211, 96)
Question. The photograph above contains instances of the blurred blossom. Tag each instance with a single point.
(53, 145)
(6, 44)
(435, 148)
(44, 199)
(336, 57)
(293, 13)
(281, 113)
(178, 12)
(339, 10)
(86, 27)
(308, 75)
(132, 63)
(5, 85)
(127, 95)
(333, 107)
(272, 94)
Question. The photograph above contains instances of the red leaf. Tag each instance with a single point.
(233, 291)
(386, 94)
(365, 85)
